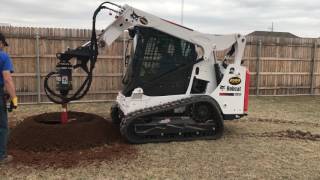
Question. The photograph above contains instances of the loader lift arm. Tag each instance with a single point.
(131, 17)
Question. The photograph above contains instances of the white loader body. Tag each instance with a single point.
(229, 93)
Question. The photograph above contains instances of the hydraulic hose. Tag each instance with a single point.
(90, 54)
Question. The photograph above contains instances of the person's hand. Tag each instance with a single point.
(14, 103)
(6, 97)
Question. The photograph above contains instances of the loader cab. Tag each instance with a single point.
(160, 64)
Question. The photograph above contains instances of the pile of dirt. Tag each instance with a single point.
(42, 141)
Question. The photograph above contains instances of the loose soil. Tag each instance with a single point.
(294, 134)
(291, 134)
(42, 141)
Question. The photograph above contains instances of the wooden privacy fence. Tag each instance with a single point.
(283, 66)
(33, 51)
(278, 66)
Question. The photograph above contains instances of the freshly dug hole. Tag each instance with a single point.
(44, 133)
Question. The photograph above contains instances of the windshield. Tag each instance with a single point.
(158, 60)
(160, 54)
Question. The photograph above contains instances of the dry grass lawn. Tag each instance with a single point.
(248, 150)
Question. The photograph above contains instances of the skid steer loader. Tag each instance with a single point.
(174, 87)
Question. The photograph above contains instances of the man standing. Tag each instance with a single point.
(6, 82)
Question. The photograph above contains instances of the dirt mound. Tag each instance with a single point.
(42, 141)
(44, 133)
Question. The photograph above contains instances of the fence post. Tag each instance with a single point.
(258, 66)
(38, 67)
(312, 67)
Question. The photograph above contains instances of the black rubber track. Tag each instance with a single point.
(128, 122)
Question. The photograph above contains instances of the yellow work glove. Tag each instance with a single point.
(14, 103)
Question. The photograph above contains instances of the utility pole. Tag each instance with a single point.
(271, 28)
(182, 6)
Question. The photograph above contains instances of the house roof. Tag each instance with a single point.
(272, 34)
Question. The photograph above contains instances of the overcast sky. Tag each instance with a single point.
(300, 17)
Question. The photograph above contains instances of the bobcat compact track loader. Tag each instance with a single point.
(174, 87)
